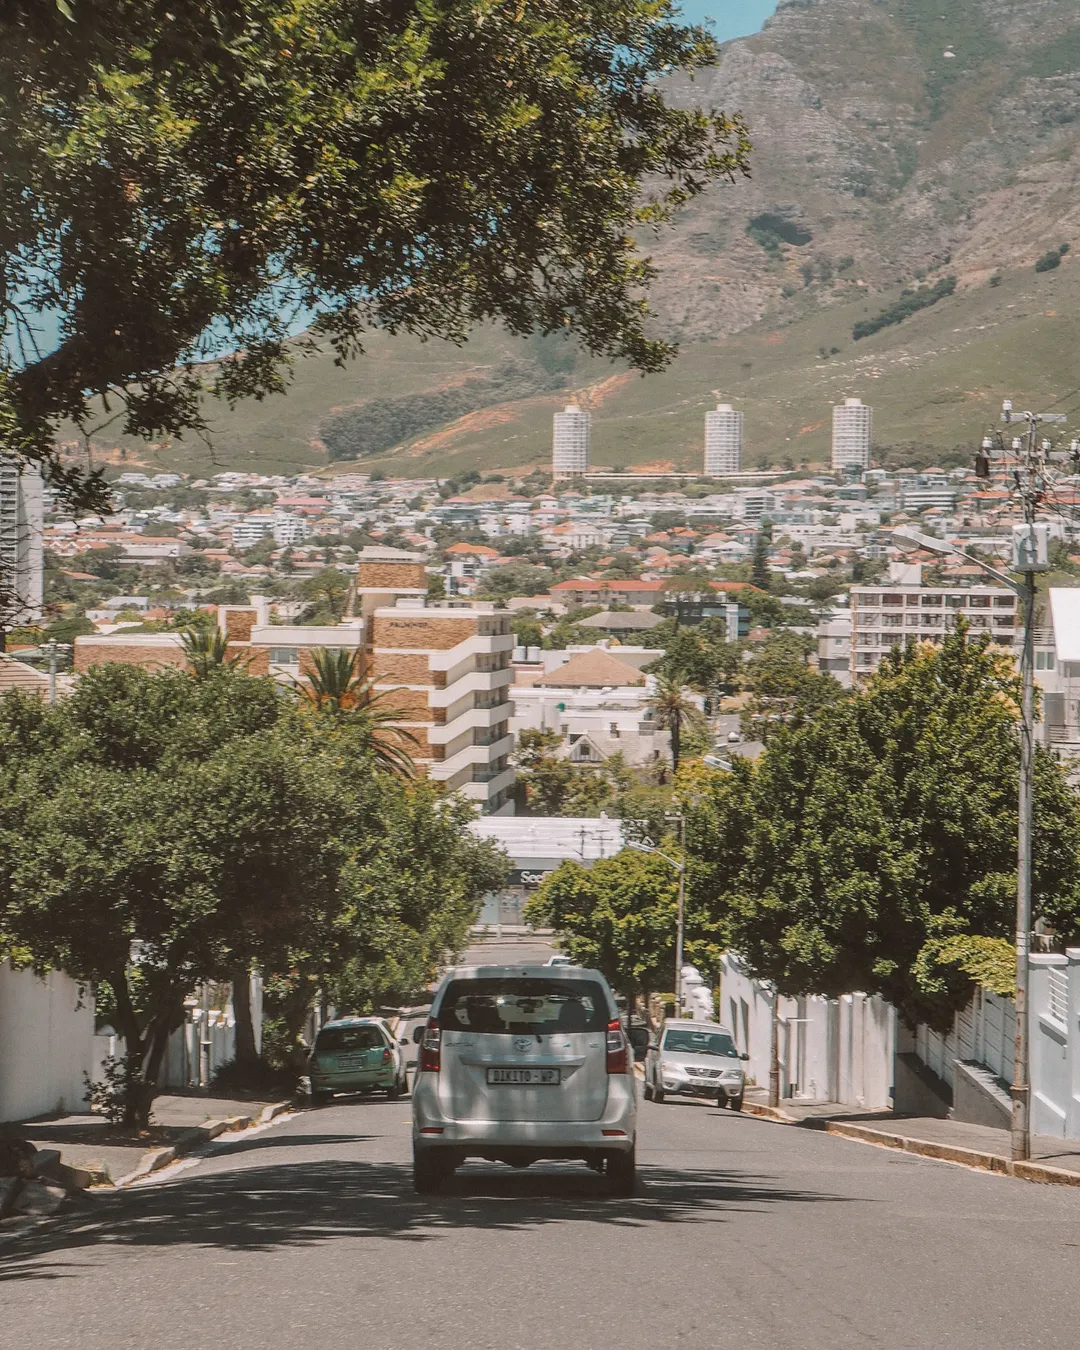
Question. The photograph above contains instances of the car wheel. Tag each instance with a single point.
(735, 1103)
(622, 1173)
(658, 1095)
(319, 1098)
(647, 1090)
(428, 1172)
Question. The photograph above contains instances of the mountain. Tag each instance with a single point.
(896, 148)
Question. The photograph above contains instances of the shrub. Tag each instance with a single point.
(1048, 261)
(910, 302)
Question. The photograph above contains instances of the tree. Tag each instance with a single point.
(619, 916)
(206, 649)
(421, 169)
(328, 593)
(671, 709)
(885, 823)
(782, 684)
(333, 686)
(759, 562)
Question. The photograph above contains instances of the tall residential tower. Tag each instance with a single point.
(723, 440)
(570, 442)
(22, 557)
(852, 430)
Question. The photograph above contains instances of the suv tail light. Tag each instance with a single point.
(430, 1048)
(387, 1056)
(618, 1056)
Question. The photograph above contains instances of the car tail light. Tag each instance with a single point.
(618, 1057)
(386, 1056)
(430, 1048)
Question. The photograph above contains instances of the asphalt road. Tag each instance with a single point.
(744, 1233)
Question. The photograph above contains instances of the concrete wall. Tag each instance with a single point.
(46, 1043)
(838, 1050)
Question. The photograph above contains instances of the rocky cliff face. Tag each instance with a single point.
(897, 138)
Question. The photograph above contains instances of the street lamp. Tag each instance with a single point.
(52, 650)
(643, 846)
(1028, 564)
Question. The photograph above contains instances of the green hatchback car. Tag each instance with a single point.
(356, 1054)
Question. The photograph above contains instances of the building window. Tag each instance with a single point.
(931, 620)
(284, 656)
(1044, 660)
(978, 602)
(930, 601)
(868, 639)
(954, 601)
(1004, 620)
(1004, 602)
(912, 600)
(892, 599)
(866, 658)
(892, 620)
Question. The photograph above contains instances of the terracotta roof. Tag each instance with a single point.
(588, 584)
(592, 670)
(473, 550)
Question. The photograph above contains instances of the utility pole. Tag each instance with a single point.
(680, 926)
(1030, 479)
(774, 1051)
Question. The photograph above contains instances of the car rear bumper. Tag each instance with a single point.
(615, 1131)
(353, 1082)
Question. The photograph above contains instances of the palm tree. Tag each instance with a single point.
(206, 650)
(334, 685)
(671, 709)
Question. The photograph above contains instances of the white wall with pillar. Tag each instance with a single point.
(831, 1050)
(46, 1043)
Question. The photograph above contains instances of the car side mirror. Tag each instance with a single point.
(418, 1034)
(639, 1037)
(404, 1040)
(744, 1056)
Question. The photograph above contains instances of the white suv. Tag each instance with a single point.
(519, 1063)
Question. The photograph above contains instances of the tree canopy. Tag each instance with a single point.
(192, 180)
(883, 824)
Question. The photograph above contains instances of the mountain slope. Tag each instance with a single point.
(894, 147)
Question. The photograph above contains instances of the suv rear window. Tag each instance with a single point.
(349, 1038)
(526, 1007)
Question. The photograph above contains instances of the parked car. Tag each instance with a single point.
(519, 1063)
(558, 960)
(356, 1054)
(694, 1059)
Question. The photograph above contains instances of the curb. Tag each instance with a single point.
(197, 1137)
(976, 1159)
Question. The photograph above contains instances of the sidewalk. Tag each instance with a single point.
(178, 1123)
(1052, 1160)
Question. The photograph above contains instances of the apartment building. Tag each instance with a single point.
(445, 668)
(852, 432)
(886, 616)
(1057, 672)
(22, 505)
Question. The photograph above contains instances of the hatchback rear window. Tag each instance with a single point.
(349, 1038)
(524, 1006)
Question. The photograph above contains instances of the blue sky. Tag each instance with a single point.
(731, 18)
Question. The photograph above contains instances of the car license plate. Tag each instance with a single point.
(350, 1061)
(526, 1077)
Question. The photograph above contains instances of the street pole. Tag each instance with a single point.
(681, 920)
(52, 672)
(1021, 1085)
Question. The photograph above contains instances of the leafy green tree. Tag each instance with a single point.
(884, 824)
(419, 169)
(333, 686)
(328, 593)
(619, 916)
(759, 561)
(782, 684)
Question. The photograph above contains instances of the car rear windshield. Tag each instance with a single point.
(349, 1038)
(700, 1042)
(524, 1006)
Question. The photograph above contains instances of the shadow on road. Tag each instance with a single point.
(299, 1204)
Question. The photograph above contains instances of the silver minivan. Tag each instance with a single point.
(519, 1063)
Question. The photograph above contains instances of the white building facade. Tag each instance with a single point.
(723, 440)
(22, 557)
(852, 432)
(570, 442)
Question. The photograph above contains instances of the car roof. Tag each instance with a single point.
(354, 1022)
(686, 1025)
(529, 971)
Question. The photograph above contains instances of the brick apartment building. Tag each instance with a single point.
(445, 666)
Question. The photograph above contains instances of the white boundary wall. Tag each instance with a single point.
(831, 1050)
(46, 1043)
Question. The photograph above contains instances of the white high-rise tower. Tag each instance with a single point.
(852, 430)
(22, 557)
(570, 442)
(723, 440)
